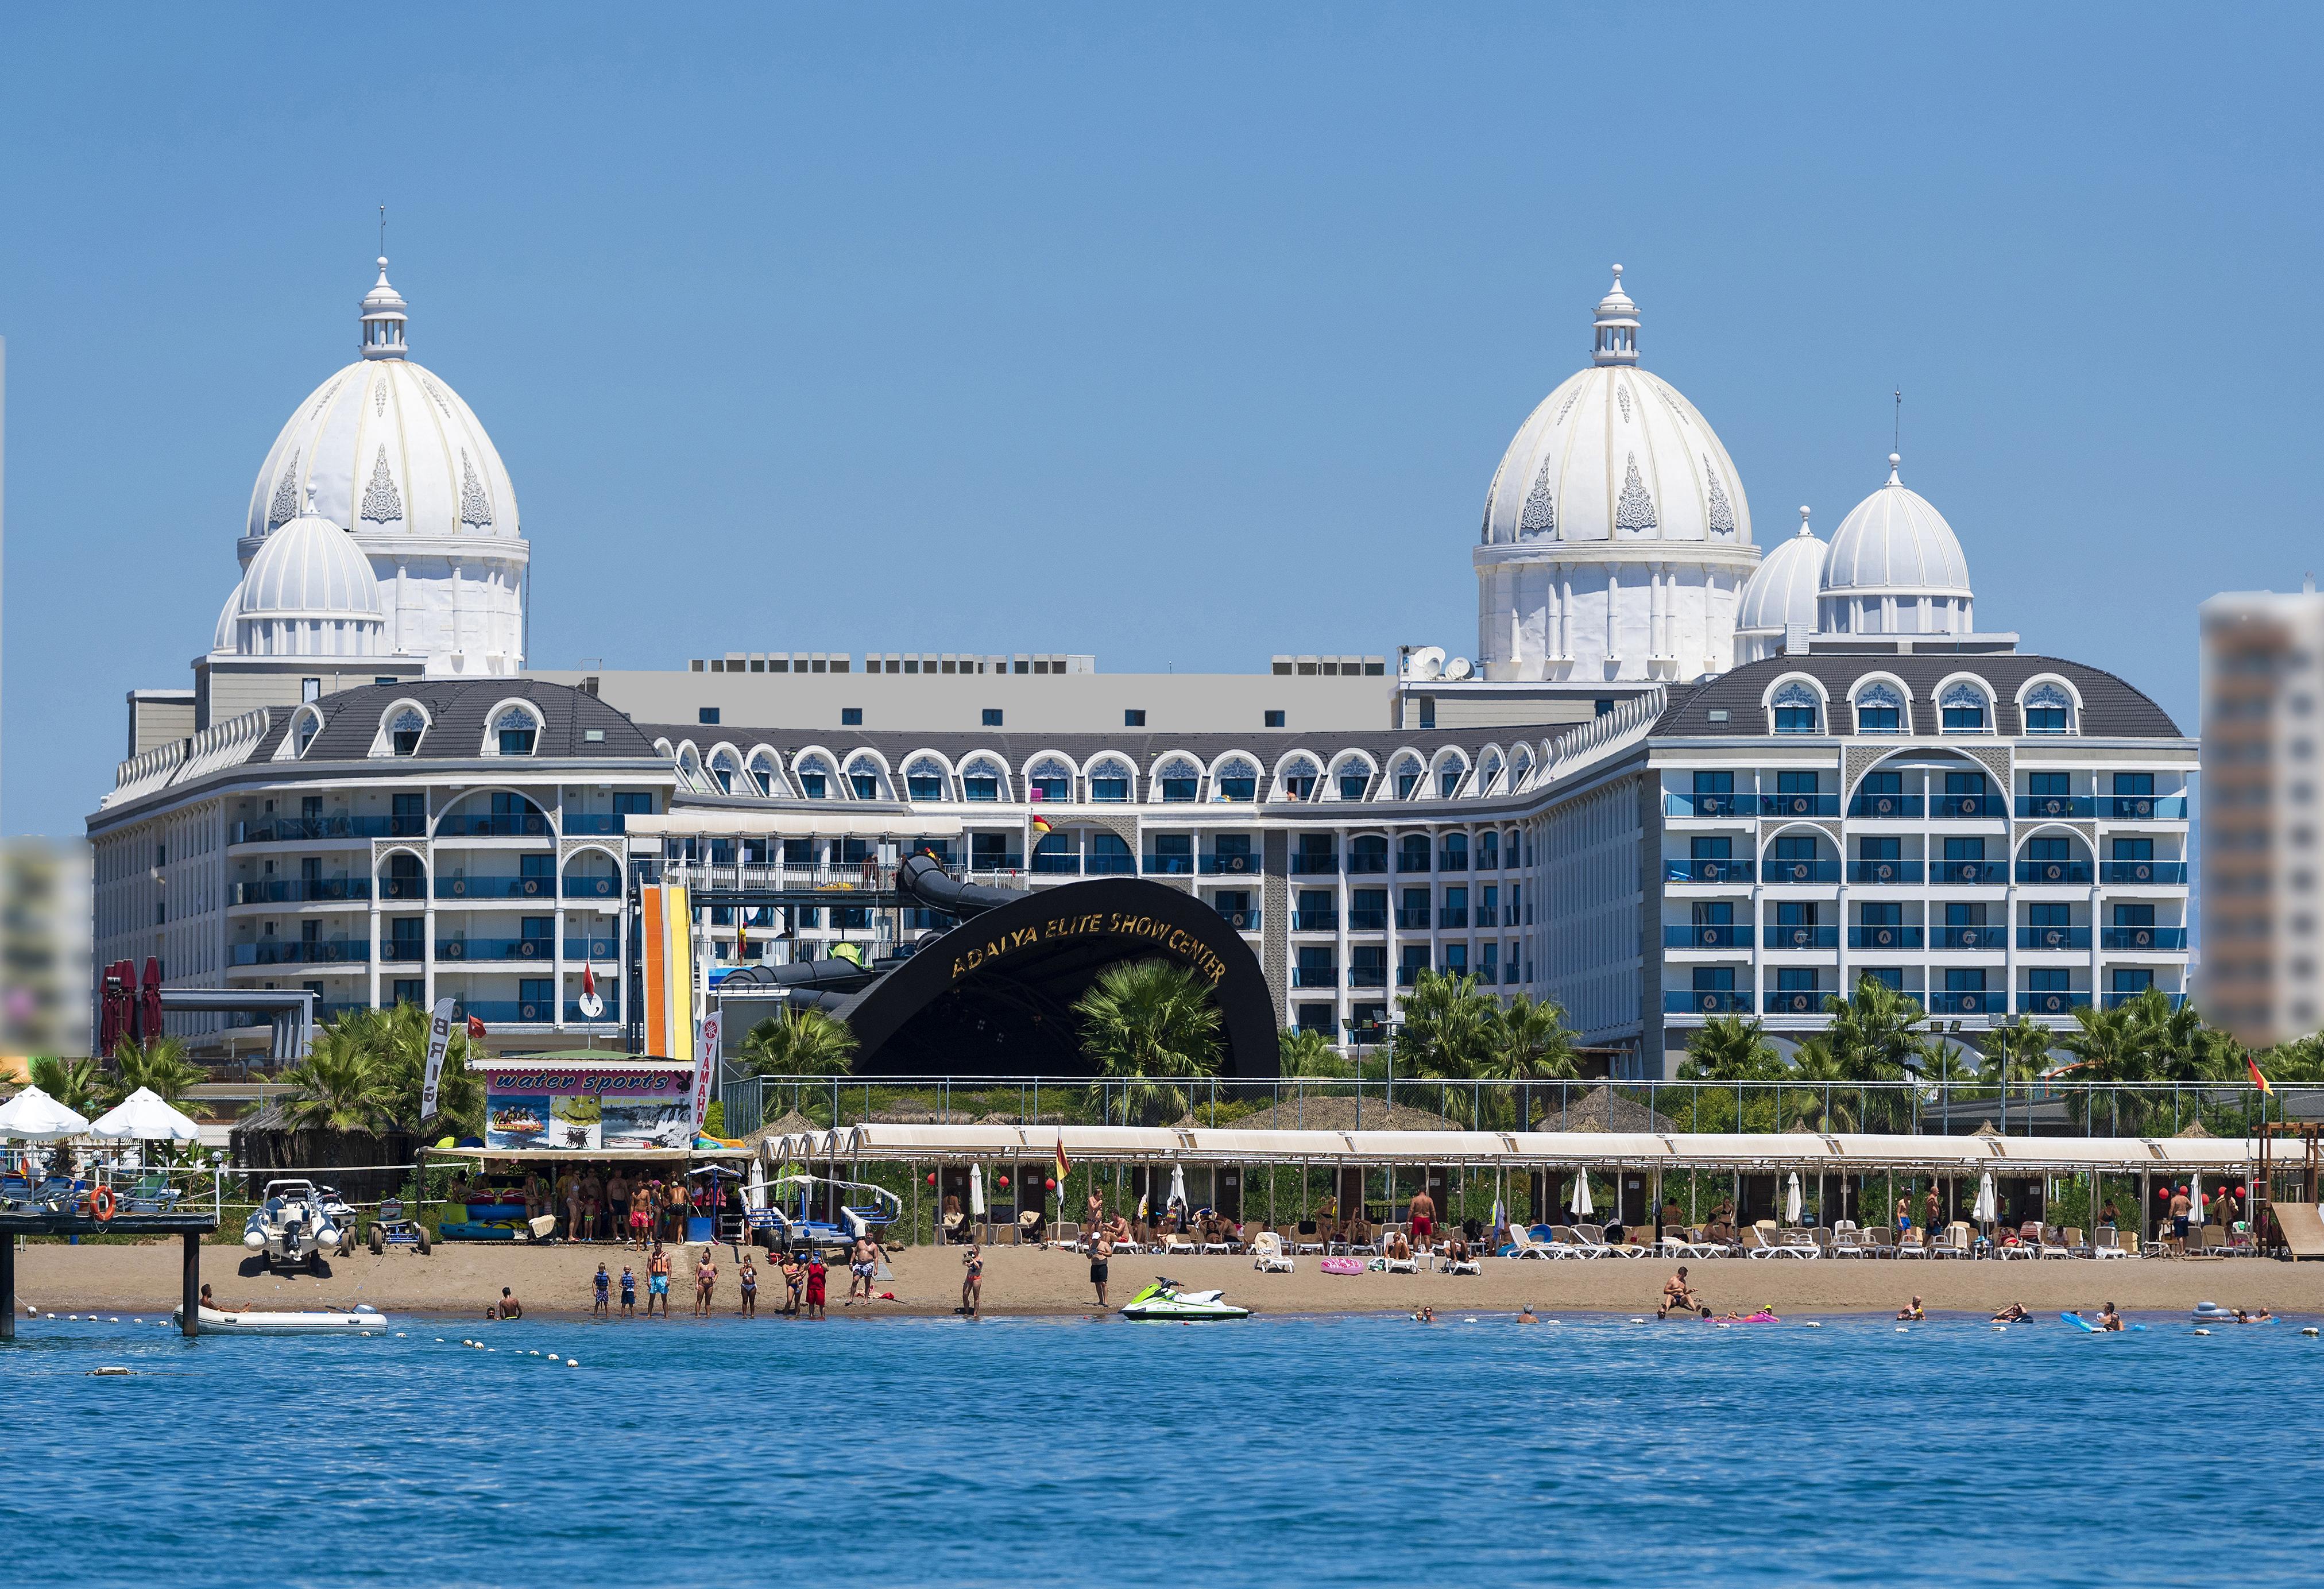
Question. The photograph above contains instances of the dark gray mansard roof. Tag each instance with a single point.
(1142, 748)
(456, 709)
(2111, 709)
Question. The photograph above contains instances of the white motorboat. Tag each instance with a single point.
(214, 1321)
(298, 1223)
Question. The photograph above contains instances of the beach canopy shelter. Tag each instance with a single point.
(33, 1116)
(143, 1117)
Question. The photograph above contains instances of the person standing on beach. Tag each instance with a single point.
(1423, 1216)
(629, 1292)
(749, 1278)
(658, 1281)
(568, 1187)
(1327, 1219)
(1904, 1214)
(675, 1207)
(617, 1204)
(603, 1285)
(816, 1280)
(705, 1281)
(2180, 1210)
(1101, 1253)
(863, 1266)
(1933, 1213)
(971, 1283)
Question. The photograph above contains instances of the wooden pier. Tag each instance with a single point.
(190, 1226)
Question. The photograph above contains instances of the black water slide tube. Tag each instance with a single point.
(924, 877)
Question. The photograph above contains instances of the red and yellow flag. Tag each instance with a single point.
(2258, 1080)
(1063, 1164)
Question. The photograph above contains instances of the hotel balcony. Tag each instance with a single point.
(1775, 874)
(1241, 920)
(1968, 1001)
(1315, 976)
(1955, 807)
(2171, 872)
(1796, 1001)
(1681, 803)
(2117, 1000)
(309, 829)
(2037, 806)
(1720, 871)
(1314, 921)
(1305, 864)
(1803, 937)
(2050, 1001)
(1412, 920)
(1368, 976)
(1891, 935)
(2144, 808)
(2167, 939)
(1995, 938)
(297, 890)
(1244, 866)
(1979, 874)
(2054, 872)
(1169, 865)
(2054, 938)
(1885, 807)
(1890, 872)
(288, 951)
(536, 950)
(1798, 805)
(1706, 1002)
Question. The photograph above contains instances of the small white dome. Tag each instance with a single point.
(1895, 567)
(309, 592)
(1783, 592)
(222, 639)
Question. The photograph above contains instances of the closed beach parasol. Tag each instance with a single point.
(2195, 1198)
(33, 1116)
(1791, 1200)
(142, 1116)
(1580, 1206)
(1987, 1208)
(1178, 1186)
(976, 1191)
(754, 1190)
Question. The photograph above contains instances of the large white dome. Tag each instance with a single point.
(1780, 596)
(1895, 567)
(1615, 531)
(309, 592)
(391, 453)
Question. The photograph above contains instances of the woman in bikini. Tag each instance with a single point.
(971, 1284)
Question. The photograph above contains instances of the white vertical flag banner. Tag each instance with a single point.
(705, 1069)
(439, 1041)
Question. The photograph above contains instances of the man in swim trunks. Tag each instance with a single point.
(1677, 1294)
(794, 1282)
(1526, 1314)
(2181, 1208)
(971, 1283)
(508, 1306)
(629, 1292)
(1424, 1217)
(1911, 1310)
(603, 1285)
(2108, 1319)
(1100, 1251)
(863, 1265)
(658, 1281)
(815, 1285)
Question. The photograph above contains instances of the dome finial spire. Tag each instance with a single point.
(1618, 326)
(383, 315)
(1803, 520)
(1894, 459)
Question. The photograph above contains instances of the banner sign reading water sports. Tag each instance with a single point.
(581, 1107)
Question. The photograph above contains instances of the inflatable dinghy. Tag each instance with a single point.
(360, 1321)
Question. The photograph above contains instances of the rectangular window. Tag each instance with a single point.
(1274, 719)
(2051, 915)
(1133, 718)
(1795, 783)
(1891, 977)
(2045, 719)
(2134, 849)
(798, 852)
(1178, 789)
(813, 785)
(310, 689)
(707, 714)
(1879, 849)
(1710, 847)
(1352, 785)
(1428, 711)
(1456, 959)
(924, 786)
(634, 803)
(2054, 980)
(2133, 915)
(1876, 718)
(865, 785)
(1796, 719)
(1109, 789)
(851, 716)
(1714, 979)
(2134, 784)
(980, 787)
(1964, 718)
(992, 717)
(1964, 849)
(1051, 788)
(2043, 785)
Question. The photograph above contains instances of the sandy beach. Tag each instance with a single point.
(462, 1279)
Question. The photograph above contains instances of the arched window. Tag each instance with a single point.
(762, 773)
(1353, 777)
(1296, 781)
(722, 770)
(405, 730)
(1796, 705)
(303, 730)
(863, 778)
(1237, 780)
(1407, 778)
(1491, 771)
(2049, 709)
(1109, 780)
(1962, 708)
(923, 779)
(1879, 709)
(1449, 774)
(1367, 852)
(814, 777)
(516, 731)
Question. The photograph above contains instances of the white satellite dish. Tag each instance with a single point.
(1426, 663)
(1458, 667)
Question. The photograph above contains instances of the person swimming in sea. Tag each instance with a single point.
(2108, 1319)
(1913, 1310)
(1526, 1314)
(2014, 1313)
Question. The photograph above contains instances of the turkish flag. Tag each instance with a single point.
(588, 981)
(476, 1028)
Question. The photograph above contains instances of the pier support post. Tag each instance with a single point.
(7, 1286)
(193, 1285)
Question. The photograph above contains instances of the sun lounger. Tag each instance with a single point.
(1068, 1236)
(1269, 1256)
(1880, 1242)
(1572, 1243)
(1596, 1234)
(1848, 1241)
(1309, 1239)
(1758, 1243)
(1177, 1242)
(2108, 1243)
(1953, 1241)
(1681, 1243)
(1911, 1245)
(1400, 1265)
(1522, 1245)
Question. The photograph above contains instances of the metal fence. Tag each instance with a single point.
(2051, 1109)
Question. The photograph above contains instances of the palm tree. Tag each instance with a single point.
(1732, 1048)
(1876, 1031)
(800, 1042)
(1151, 1020)
(1526, 1041)
(398, 1039)
(340, 1087)
(1307, 1051)
(158, 1064)
(1449, 1028)
(77, 1083)
(2015, 1052)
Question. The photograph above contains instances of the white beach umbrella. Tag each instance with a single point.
(33, 1116)
(142, 1116)
(1791, 1200)
(1179, 1185)
(754, 1190)
(1987, 1207)
(2195, 1198)
(1578, 1206)
(976, 1191)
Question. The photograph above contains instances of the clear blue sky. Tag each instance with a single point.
(1182, 338)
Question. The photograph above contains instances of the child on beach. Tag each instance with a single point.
(658, 1281)
(604, 1285)
(815, 1285)
(629, 1293)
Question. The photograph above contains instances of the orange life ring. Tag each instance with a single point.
(100, 1204)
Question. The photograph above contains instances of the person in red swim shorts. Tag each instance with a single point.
(815, 1285)
(1424, 1218)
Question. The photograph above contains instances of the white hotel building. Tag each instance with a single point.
(1680, 780)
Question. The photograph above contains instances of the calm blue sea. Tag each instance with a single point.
(1278, 1451)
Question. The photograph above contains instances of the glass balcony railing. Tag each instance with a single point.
(1315, 976)
(2054, 938)
(1884, 935)
(1361, 863)
(1981, 874)
(1414, 861)
(1797, 1000)
(580, 824)
(593, 888)
(300, 952)
(2143, 872)
(402, 888)
(508, 824)
(2121, 996)
(1706, 1002)
(1413, 920)
(1803, 936)
(1096, 865)
(1889, 872)
(1453, 861)
(1978, 939)
(1884, 806)
(2038, 806)
(1490, 916)
(1367, 921)
(1968, 1001)
(1452, 916)
(1241, 920)
(297, 890)
(996, 860)
(2144, 808)
(1232, 864)
(610, 948)
(1777, 872)
(1314, 863)
(536, 950)
(2050, 1001)
(1367, 977)
(515, 1012)
(1066, 865)
(1725, 871)
(1799, 805)
(1169, 865)
(2054, 872)
(2168, 940)
(407, 952)
(504, 888)
(1315, 920)
(1962, 808)
(318, 829)
(1708, 935)
(611, 1016)
(1682, 803)
(1408, 975)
